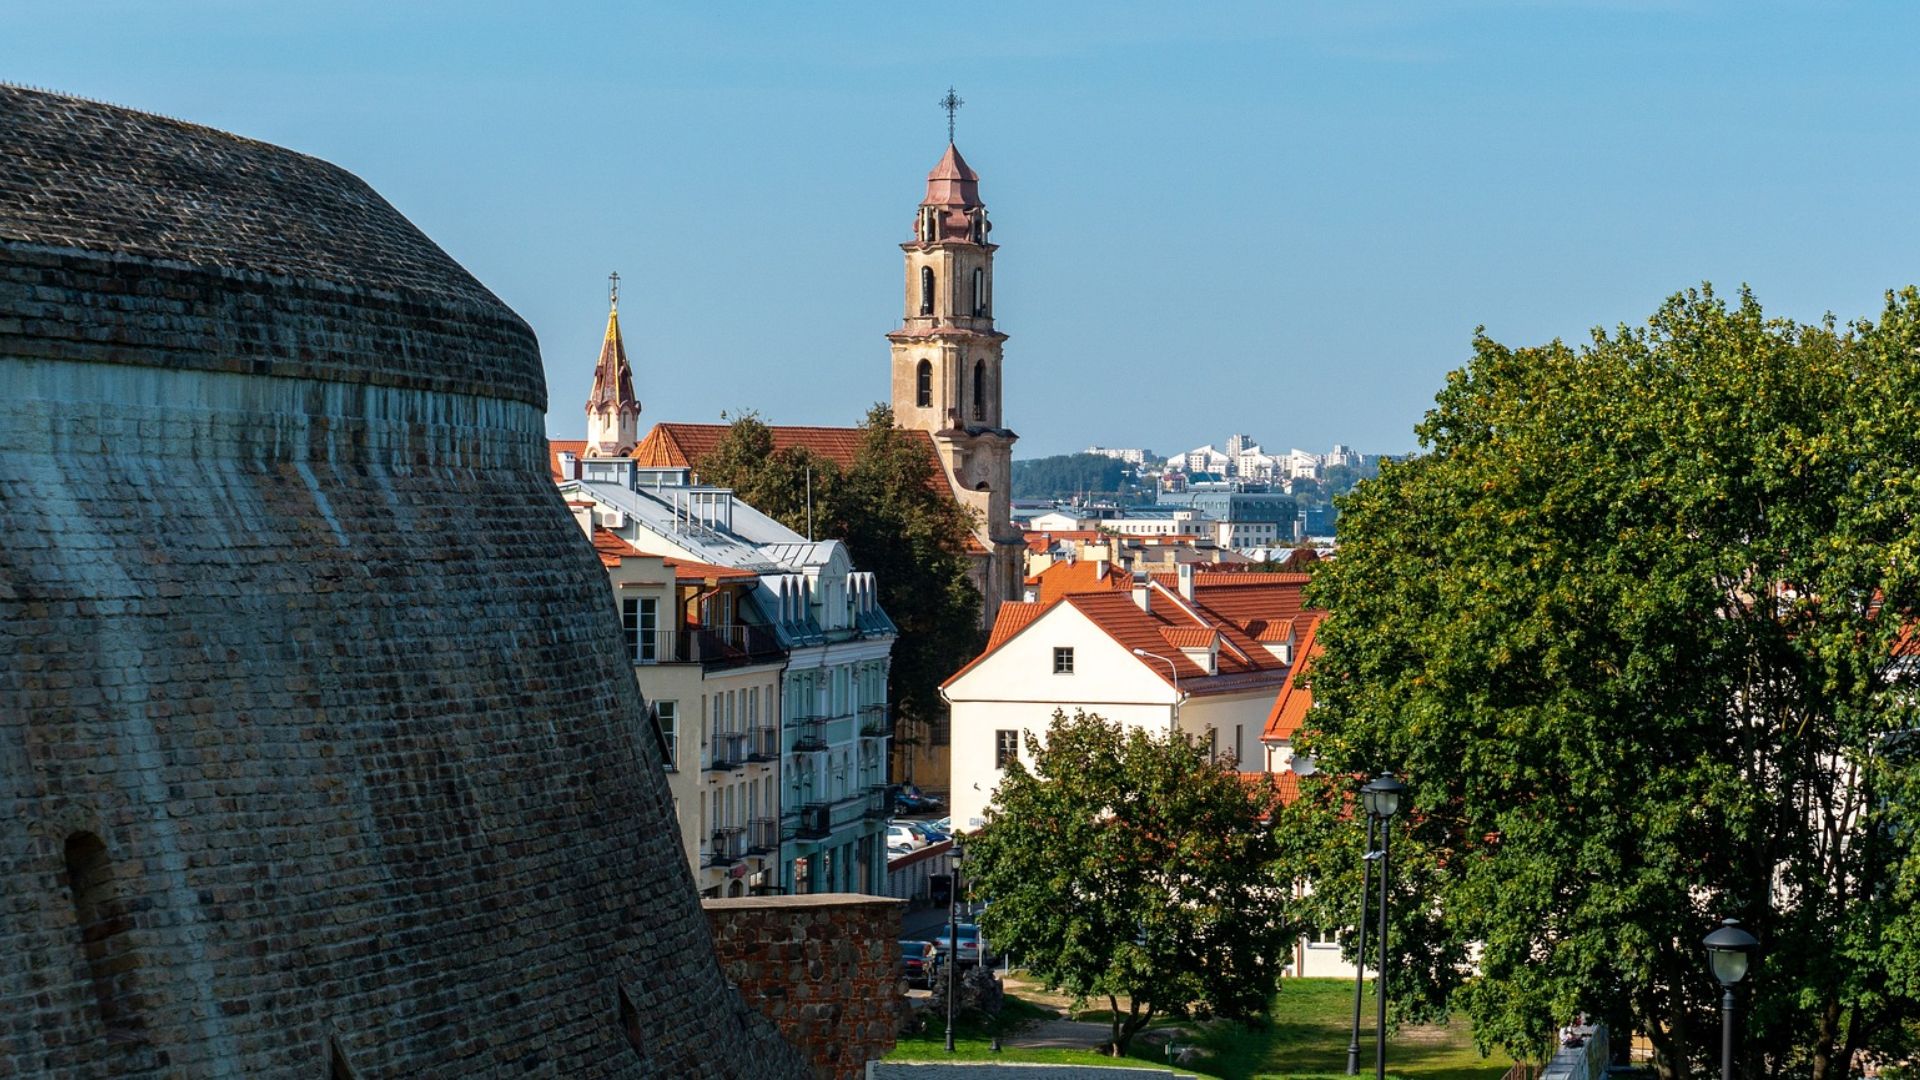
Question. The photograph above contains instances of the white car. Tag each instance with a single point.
(899, 836)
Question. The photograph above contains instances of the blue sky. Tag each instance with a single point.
(1279, 219)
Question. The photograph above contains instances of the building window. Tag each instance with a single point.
(667, 715)
(1006, 747)
(103, 916)
(926, 290)
(1063, 660)
(923, 386)
(979, 389)
(640, 616)
(979, 291)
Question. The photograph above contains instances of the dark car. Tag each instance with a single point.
(918, 959)
(908, 799)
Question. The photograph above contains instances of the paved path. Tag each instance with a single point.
(1060, 1035)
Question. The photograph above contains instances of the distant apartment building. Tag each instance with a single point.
(827, 711)
(1129, 455)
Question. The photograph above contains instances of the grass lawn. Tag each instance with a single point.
(1305, 1035)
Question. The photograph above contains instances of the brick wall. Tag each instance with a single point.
(319, 753)
(824, 968)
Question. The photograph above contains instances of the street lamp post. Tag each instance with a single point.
(1360, 953)
(1727, 950)
(953, 935)
(1382, 798)
(1178, 697)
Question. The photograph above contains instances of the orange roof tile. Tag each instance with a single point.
(611, 548)
(1286, 785)
(690, 570)
(1219, 612)
(576, 447)
(1295, 698)
(1065, 578)
(681, 446)
(1190, 637)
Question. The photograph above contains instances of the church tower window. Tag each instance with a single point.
(979, 389)
(979, 291)
(923, 386)
(926, 290)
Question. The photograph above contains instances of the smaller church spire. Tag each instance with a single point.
(613, 409)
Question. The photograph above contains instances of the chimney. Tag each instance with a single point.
(1100, 568)
(1186, 581)
(1143, 593)
(569, 465)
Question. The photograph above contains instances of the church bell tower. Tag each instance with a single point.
(947, 363)
(613, 410)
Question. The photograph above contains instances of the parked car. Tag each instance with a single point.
(908, 799)
(941, 824)
(971, 950)
(925, 831)
(899, 835)
(918, 959)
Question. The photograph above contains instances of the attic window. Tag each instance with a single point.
(1063, 660)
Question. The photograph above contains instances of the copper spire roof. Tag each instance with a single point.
(952, 183)
(612, 377)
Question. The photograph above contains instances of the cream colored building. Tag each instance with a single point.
(712, 684)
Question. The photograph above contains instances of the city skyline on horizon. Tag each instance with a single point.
(1302, 214)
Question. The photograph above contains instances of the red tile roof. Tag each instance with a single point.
(1043, 541)
(1189, 637)
(576, 447)
(1286, 785)
(612, 549)
(1065, 578)
(1291, 704)
(1219, 611)
(690, 570)
(681, 446)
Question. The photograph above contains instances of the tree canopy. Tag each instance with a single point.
(1127, 864)
(1636, 627)
(1066, 476)
(897, 520)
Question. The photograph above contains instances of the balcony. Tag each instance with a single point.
(816, 821)
(763, 743)
(712, 647)
(763, 835)
(874, 721)
(729, 752)
(728, 846)
(810, 735)
(879, 805)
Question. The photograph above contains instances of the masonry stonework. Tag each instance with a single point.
(824, 967)
(319, 755)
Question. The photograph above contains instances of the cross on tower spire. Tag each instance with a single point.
(613, 288)
(952, 104)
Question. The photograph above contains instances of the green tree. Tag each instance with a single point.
(1635, 626)
(894, 513)
(1066, 476)
(1127, 865)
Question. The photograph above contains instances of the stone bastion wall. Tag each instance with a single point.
(319, 756)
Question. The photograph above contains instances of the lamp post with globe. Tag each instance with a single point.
(1727, 954)
(1382, 799)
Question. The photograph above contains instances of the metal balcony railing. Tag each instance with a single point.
(728, 845)
(816, 821)
(878, 804)
(710, 646)
(763, 743)
(729, 751)
(763, 835)
(810, 735)
(874, 721)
